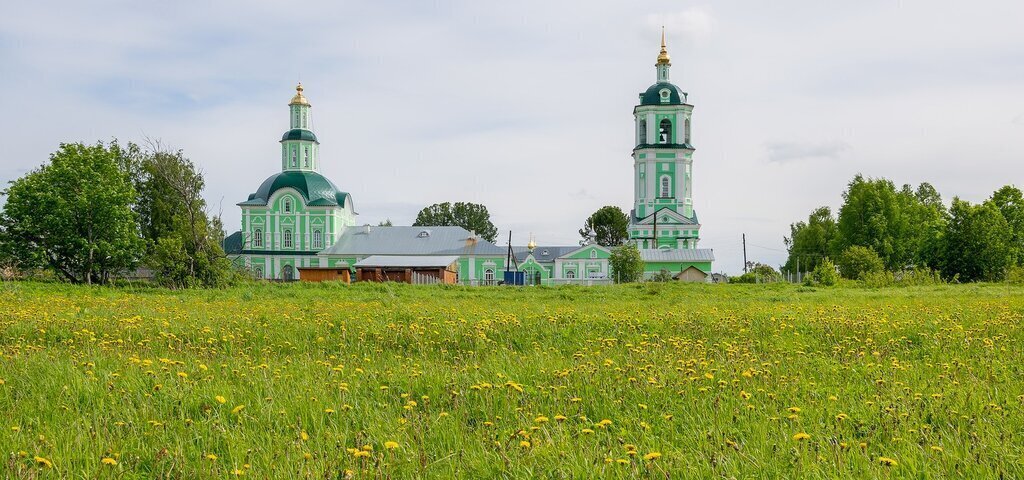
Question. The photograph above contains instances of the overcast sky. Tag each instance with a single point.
(526, 106)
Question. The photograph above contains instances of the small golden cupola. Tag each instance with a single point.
(663, 57)
(300, 99)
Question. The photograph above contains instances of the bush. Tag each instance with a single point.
(825, 273)
(761, 273)
(857, 261)
(1015, 275)
(908, 278)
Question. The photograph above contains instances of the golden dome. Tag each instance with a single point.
(532, 245)
(663, 58)
(299, 99)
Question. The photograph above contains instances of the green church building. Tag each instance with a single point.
(299, 220)
(663, 223)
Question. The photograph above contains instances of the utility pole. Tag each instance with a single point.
(744, 253)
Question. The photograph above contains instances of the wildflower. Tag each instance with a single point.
(238, 472)
(936, 448)
(307, 456)
(220, 399)
(794, 409)
(182, 375)
(604, 423)
(328, 411)
(303, 435)
(652, 456)
(842, 416)
(211, 457)
(390, 445)
(524, 444)
(109, 461)
(238, 409)
(361, 453)
(541, 419)
(560, 418)
(889, 462)
(43, 462)
(586, 431)
(801, 436)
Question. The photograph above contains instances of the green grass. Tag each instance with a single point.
(704, 375)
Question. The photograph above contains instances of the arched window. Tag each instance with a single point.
(258, 272)
(643, 132)
(665, 187)
(287, 205)
(287, 273)
(665, 131)
(593, 253)
(488, 276)
(257, 238)
(305, 160)
(295, 157)
(570, 274)
(317, 240)
(287, 239)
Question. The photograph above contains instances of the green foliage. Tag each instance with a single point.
(471, 216)
(184, 243)
(917, 277)
(809, 242)
(608, 226)
(825, 273)
(626, 264)
(1010, 202)
(977, 243)
(759, 273)
(1015, 275)
(857, 261)
(385, 223)
(73, 215)
(662, 276)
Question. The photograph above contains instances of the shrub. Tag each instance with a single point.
(825, 273)
(1015, 275)
(857, 261)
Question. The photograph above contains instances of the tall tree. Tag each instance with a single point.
(976, 242)
(74, 215)
(808, 242)
(184, 239)
(608, 226)
(1010, 202)
(873, 215)
(471, 216)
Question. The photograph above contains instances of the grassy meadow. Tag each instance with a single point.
(399, 381)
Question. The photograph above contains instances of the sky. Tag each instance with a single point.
(526, 106)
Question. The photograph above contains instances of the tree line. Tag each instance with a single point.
(94, 212)
(883, 229)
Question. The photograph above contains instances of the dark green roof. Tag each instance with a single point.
(316, 190)
(653, 95)
(299, 134)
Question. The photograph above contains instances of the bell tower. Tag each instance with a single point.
(663, 215)
(300, 150)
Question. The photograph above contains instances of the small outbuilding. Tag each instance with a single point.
(415, 269)
(322, 274)
(691, 274)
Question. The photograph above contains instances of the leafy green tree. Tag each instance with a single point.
(385, 223)
(608, 226)
(74, 215)
(808, 242)
(184, 240)
(872, 216)
(977, 242)
(857, 261)
(1010, 202)
(626, 264)
(471, 216)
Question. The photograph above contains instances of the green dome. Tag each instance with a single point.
(653, 95)
(316, 190)
(299, 134)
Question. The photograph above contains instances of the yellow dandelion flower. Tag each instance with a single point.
(238, 472)
(108, 461)
(182, 375)
(586, 431)
(622, 461)
(328, 411)
(361, 453)
(524, 444)
(652, 456)
(238, 409)
(221, 400)
(303, 435)
(801, 436)
(936, 448)
(842, 416)
(560, 418)
(794, 409)
(43, 462)
(211, 457)
(541, 419)
(390, 445)
(307, 456)
(889, 462)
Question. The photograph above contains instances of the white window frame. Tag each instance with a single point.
(257, 238)
(666, 187)
(287, 238)
(317, 239)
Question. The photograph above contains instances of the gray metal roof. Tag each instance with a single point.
(538, 253)
(358, 241)
(677, 255)
(409, 261)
